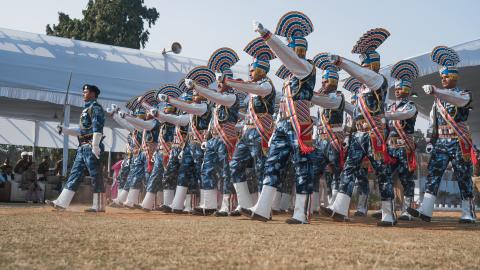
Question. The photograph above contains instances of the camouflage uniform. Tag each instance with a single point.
(216, 154)
(92, 121)
(447, 150)
(400, 152)
(249, 147)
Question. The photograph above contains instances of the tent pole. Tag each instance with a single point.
(66, 123)
(35, 138)
(109, 164)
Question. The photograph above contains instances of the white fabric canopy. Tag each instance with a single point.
(34, 75)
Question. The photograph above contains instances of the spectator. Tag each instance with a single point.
(58, 167)
(23, 164)
(29, 180)
(43, 169)
(6, 170)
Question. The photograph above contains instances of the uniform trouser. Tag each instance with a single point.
(124, 171)
(154, 182)
(362, 181)
(190, 167)
(283, 144)
(404, 174)
(254, 184)
(86, 159)
(360, 146)
(170, 176)
(137, 173)
(248, 149)
(215, 161)
(325, 154)
(445, 151)
(287, 174)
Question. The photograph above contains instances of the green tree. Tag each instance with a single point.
(113, 22)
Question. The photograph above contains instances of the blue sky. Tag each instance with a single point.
(203, 26)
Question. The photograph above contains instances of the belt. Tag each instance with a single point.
(362, 125)
(284, 115)
(447, 136)
(85, 139)
(396, 142)
(335, 128)
(445, 130)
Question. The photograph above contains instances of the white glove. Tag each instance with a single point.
(59, 129)
(97, 138)
(204, 145)
(180, 155)
(154, 112)
(258, 27)
(162, 97)
(429, 89)
(219, 76)
(429, 148)
(189, 83)
(335, 59)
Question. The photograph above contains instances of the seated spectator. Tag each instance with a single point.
(29, 182)
(7, 170)
(23, 164)
(43, 169)
(58, 167)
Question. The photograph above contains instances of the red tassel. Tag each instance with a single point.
(473, 155)
(149, 166)
(305, 149)
(165, 160)
(412, 161)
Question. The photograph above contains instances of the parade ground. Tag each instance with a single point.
(35, 237)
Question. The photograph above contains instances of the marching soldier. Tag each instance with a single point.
(90, 136)
(449, 138)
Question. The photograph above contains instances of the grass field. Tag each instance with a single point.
(35, 237)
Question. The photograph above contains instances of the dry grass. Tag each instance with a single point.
(38, 238)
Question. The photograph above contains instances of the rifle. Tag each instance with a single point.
(66, 98)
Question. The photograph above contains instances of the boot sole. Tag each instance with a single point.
(415, 213)
(325, 211)
(340, 218)
(386, 224)
(294, 221)
(359, 214)
(466, 221)
(405, 218)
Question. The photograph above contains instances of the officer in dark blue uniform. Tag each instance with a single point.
(90, 136)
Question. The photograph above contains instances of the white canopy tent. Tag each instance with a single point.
(35, 71)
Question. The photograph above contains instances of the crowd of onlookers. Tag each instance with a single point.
(28, 174)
